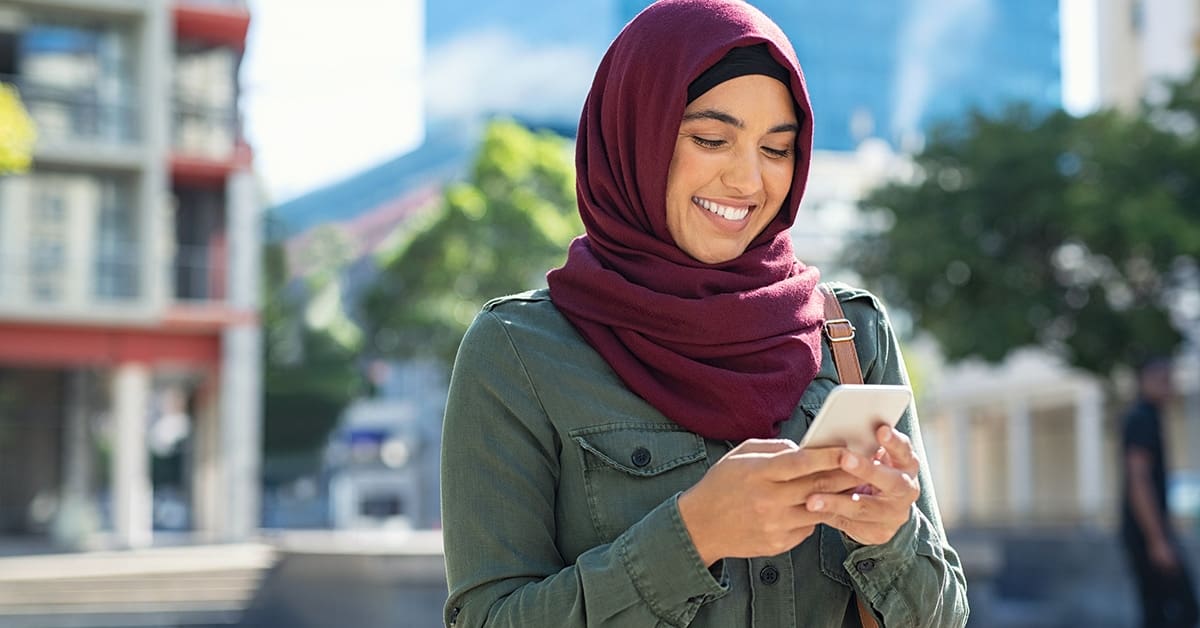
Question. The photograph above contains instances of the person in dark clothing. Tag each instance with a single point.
(1163, 582)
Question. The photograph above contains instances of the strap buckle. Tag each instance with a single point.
(839, 321)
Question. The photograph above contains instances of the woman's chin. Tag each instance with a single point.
(716, 254)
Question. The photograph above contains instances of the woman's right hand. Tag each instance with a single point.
(752, 501)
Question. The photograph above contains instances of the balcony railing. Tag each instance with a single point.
(199, 273)
(64, 113)
(204, 131)
(56, 276)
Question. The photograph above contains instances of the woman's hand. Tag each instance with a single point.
(752, 501)
(873, 516)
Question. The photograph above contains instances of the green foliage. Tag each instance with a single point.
(17, 133)
(1075, 233)
(309, 375)
(496, 233)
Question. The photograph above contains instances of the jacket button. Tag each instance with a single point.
(640, 457)
(769, 575)
(865, 565)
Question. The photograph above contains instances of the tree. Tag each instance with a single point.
(496, 233)
(17, 133)
(309, 375)
(1081, 234)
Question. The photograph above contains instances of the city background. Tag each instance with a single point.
(240, 239)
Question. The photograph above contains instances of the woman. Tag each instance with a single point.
(620, 449)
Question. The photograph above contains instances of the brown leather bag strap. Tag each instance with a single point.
(839, 332)
(864, 615)
(840, 335)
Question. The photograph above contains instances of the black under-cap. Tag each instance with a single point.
(737, 62)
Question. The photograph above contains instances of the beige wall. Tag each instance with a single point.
(1053, 459)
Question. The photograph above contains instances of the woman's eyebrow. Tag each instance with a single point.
(721, 116)
(714, 114)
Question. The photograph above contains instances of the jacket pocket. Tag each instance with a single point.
(630, 468)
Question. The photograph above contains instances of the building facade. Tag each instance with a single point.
(1139, 43)
(129, 254)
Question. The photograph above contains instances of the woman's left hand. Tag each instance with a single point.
(873, 516)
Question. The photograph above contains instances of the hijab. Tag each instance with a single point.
(724, 350)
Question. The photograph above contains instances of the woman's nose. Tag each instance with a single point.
(743, 174)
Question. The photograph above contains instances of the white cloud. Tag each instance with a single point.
(330, 89)
(488, 71)
(930, 30)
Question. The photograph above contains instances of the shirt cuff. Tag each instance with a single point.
(876, 568)
(665, 567)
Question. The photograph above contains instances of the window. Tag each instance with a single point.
(5, 263)
(8, 55)
(205, 101)
(83, 239)
(47, 244)
(199, 244)
(117, 244)
(76, 81)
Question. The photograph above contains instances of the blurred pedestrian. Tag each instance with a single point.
(1155, 555)
(620, 450)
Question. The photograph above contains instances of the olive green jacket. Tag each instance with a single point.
(560, 487)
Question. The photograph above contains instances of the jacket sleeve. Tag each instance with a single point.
(500, 469)
(916, 578)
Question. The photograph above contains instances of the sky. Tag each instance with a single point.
(328, 93)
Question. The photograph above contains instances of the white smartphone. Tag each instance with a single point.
(851, 414)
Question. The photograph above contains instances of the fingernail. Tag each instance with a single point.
(887, 434)
(816, 504)
(850, 461)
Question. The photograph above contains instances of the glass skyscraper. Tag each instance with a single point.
(875, 68)
(893, 68)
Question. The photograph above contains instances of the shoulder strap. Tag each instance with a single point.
(840, 334)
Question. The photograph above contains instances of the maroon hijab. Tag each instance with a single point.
(725, 350)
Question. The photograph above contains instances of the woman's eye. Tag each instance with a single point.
(707, 143)
(776, 153)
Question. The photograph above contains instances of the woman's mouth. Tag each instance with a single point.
(724, 211)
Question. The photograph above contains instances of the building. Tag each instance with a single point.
(892, 69)
(1139, 43)
(129, 254)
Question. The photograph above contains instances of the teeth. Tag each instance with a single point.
(729, 213)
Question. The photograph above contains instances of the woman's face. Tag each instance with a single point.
(732, 168)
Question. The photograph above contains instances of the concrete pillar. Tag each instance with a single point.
(241, 364)
(76, 517)
(157, 226)
(1089, 447)
(1020, 459)
(206, 463)
(241, 431)
(131, 492)
(244, 239)
(959, 462)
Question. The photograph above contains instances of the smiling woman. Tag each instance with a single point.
(620, 450)
(732, 167)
